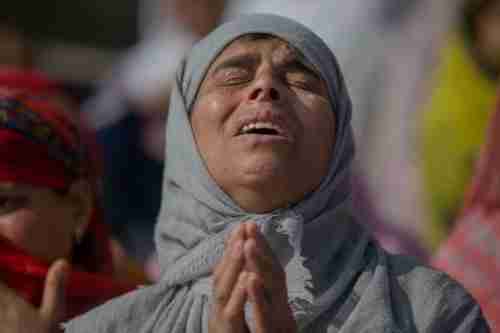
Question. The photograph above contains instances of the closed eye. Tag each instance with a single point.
(10, 203)
(235, 70)
(303, 81)
(303, 76)
(303, 84)
(233, 76)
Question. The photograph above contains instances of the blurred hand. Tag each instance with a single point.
(484, 191)
(17, 316)
(249, 271)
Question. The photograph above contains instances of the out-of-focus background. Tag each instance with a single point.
(422, 75)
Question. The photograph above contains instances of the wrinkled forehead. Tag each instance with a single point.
(281, 50)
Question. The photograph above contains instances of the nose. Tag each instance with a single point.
(265, 88)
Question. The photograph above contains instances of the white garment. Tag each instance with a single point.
(149, 67)
(144, 73)
(336, 22)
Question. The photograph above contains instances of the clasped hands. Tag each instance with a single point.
(249, 272)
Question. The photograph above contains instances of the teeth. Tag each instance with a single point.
(259, 125)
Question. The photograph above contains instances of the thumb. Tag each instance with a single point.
(53, 306)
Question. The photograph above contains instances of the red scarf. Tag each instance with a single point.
(26, 275)
(26, 80)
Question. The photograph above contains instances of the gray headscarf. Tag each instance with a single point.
(321, 248)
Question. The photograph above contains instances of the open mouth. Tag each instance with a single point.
(261, 128)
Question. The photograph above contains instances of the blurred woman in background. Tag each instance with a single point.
(457, 114)
(50, 201)
(470, 254)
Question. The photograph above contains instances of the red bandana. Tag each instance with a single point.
(84, 290)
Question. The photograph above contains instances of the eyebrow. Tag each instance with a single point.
(300, 64)
(296, 62)
(242, 60)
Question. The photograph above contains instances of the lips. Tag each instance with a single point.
(263, 128)
(263, 123)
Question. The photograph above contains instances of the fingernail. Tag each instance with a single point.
(62, 275)
(64, 272)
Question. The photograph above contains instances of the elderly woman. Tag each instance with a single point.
(256, 231)
(49, 205)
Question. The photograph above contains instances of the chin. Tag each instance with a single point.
(262, 169)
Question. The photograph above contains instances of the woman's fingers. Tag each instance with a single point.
(227, 271)
(230, 317)
(261, 263)
(266, 286)
(235, 306)
(260, 304)
(235, 235)
(53, 306)
(260, 259)
(249, 271)
(252, 232)
(230, 295)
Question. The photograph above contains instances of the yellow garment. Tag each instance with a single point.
(453, 129)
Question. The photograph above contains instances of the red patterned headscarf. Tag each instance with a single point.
(43, 144)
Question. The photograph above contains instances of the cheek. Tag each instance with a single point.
(323, 135)
(210, 114)
(44, 233)
(320, 134)
(22, 227)
(319, 121)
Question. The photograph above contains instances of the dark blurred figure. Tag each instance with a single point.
(15, 50)
(129, 112)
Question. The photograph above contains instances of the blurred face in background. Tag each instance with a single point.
(488, 34)
(42, 221)
(263, 123)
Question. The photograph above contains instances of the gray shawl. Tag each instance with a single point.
(338, 279)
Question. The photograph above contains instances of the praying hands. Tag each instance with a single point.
(249, 272)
